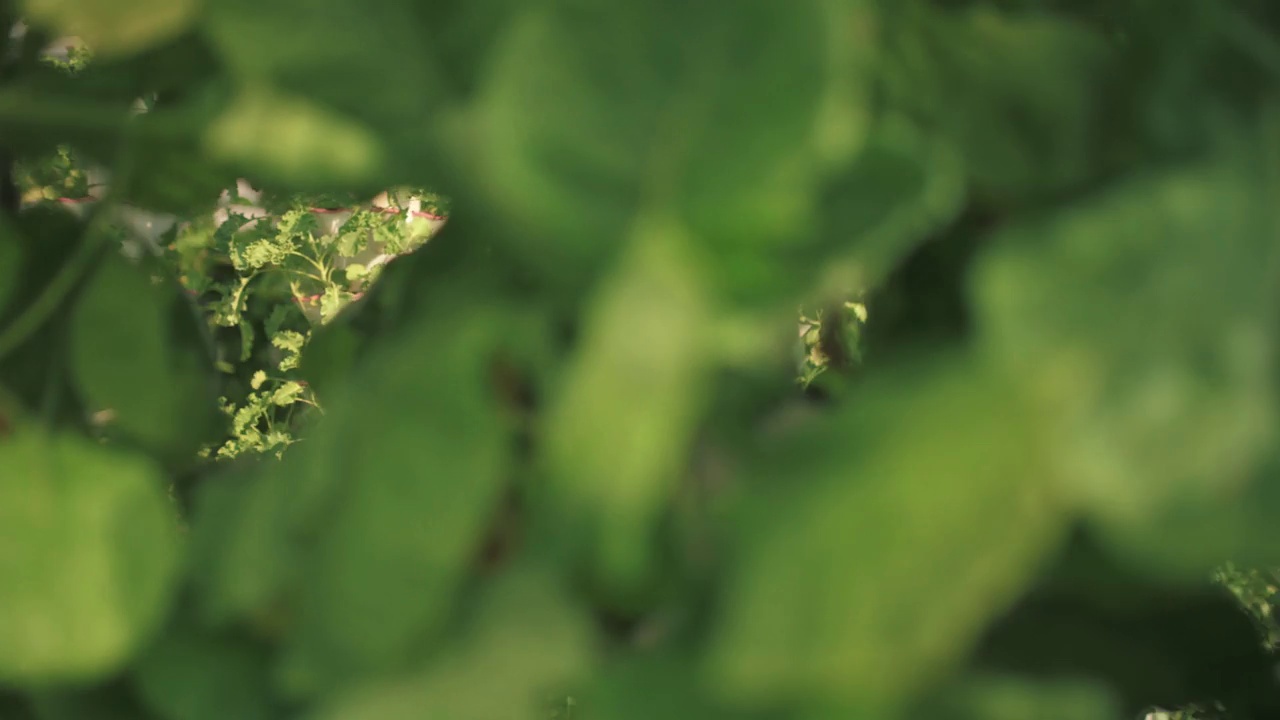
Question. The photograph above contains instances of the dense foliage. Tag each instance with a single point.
(556, 462)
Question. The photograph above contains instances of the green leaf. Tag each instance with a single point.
(1016, 94)
(619, 431)
(191, 674)
(657, 109)
(316, 58)
(1009, 698)
(526, 641)
(422, 459)
(128, 356)
(291, 342)
(902, 185)
(115, 27)
(243, 540)
(287, 394)
(101, 702)
(246, 340)
(881, 542)
(97, 562)
(640, 686)
(361, 536)
(290, 138)
(1143, 322)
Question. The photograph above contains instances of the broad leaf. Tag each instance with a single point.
(137, 352)
(526, 641)
(884, 541)
(190, 674)
(91, 553)
(291, 138)
(1017, 95)
(114, 26)
(620, 428)
(363, 534)
(1143, 322)
(593, 114)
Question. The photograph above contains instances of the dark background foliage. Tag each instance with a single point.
(556, 463)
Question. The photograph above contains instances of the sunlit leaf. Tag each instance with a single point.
(888, 539)
(900, 187)
(290, 137)
(90, 555)
(111, 27)
(621, 427)
(1143, 322)
(656, 106)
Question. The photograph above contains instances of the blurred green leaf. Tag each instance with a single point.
(111, 701)
(423, 462)
(332, 67)
(292, 138)
(891, 535)
(130, 358)
(1008, 698)
(1142, 321)
(525, 642)
(114, 26)
(366, 531)
(91, 556)
(621, 426)
(248, 538)
(592, 115)
(901, 186)
(1017, 94)
(639, 686)
(1238, 525)
(190, 674)
(1150, 641)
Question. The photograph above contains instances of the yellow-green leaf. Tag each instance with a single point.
(114, 26)
(88, 556)
(889, 538)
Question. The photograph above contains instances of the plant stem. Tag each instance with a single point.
(53, 294)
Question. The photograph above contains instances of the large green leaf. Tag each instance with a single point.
(190, 674)
(355, 544)
(525, 642)
(136, 351)
(333, 54)
(883, 541)
(292, 138)
(901, 186)
(90, 555)
(593, 114)
(423, 454)
(998, 697)
(1143, 322)
(1018, 95)
(619, 431)
(114, 26)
